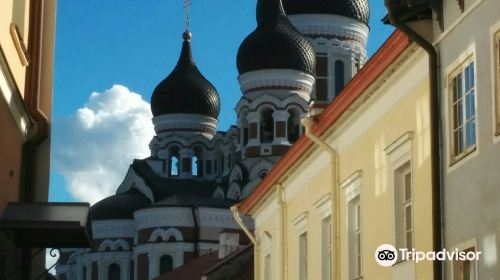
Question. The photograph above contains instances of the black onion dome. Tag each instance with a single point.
(356, 9)
(185, 90)
(275, 43)
(119, 206)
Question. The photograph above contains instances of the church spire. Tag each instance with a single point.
(187, 35)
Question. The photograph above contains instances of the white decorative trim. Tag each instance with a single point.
(164, 217)
(260, 166)
(114, 245)
(165, 234)
(219, 193)
(185, 124)
(352, 185)
(300, 222)
(250, 187)
(324, 206)
(276, 77)
(216, 218)
(132, 180)
(234, 192)
(113, 229)
(332, 25)
(400, 150)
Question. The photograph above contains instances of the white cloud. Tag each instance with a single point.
(93, 148)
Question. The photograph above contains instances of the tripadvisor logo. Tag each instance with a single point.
(386, 255)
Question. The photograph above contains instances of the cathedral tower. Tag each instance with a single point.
(338, 31)
(185, 108)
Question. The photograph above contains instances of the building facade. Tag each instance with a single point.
(467, 43)
(171, 206)
(26, 67)
(324, 210)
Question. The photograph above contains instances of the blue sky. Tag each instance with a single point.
(135, 44)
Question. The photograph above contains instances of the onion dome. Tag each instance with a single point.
(355, 9)
(185, 90)
(275, 43)
(119, 206)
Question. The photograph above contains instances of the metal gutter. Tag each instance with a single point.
(335, 195)
(437, 223)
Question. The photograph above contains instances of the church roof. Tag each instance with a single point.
(119, 206)
(190, 200)
(185, 90)
(275, 43)
(164, 187)
(355, 9)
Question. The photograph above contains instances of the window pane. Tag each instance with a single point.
(473, 102)
(339, 76)
(409, 241)
(321, 66)
(459, 86)
(467, 78)
(321, 89)
(457, 141)
(408, 217)
(471, 133)
(408, 186)
(471, 73)
(468, 102)
(460, 113)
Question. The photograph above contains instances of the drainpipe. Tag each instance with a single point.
(282, 215)
(437, 237)
(41, 130)
(335, 193)
(253, 238)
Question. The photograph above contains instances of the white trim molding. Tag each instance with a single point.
(400, 150)
(300, 222)
(113, 229)
(352, 185)
(269, 78)
(324, 206)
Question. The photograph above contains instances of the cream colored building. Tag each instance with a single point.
(325, 208)
(26, 65)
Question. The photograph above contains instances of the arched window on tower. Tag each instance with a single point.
(197, 162)
(244, 128)
(114, 271)
(339, 76)
(166, 264)
(266, 126)
(293, 125)
(321, 89)
(174, 161)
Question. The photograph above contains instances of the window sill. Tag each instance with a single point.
(455, 159)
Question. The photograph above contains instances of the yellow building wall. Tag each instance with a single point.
(360, 139)
(17, 12)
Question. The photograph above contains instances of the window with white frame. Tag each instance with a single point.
(354, 224)
(465, 269)
(352, 191)
(303, 256)
(463, 110)
(403, 206)
(496, 60)
(321, 89)
(326, 250)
